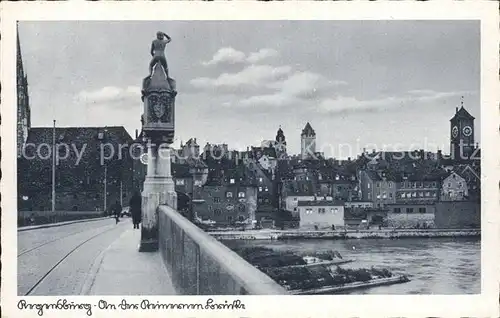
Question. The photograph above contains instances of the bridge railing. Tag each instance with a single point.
(200, 265)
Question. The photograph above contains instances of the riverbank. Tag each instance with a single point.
(267, 234)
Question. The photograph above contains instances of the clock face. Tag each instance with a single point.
(467, 131)
(454, 131)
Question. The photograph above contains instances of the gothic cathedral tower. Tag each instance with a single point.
(23, 107)
(308, 142)
(280, 144)
(462, 134)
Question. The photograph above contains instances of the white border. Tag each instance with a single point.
(483, 305)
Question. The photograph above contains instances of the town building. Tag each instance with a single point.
(228, 198)
(321, 214)
(93, 168)
(419, 187)
(293, 191)
(378, 187)
(454, 188)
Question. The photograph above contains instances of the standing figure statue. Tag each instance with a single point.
(158, 51)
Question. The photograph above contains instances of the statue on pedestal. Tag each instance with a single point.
(158, 94)
(158, 128)
(158, 51)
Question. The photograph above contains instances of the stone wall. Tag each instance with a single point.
(201, 265)
(410, 220)
(458, 214)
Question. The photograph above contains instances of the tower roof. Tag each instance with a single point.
(308, 130)
(280, 136)
(462, 113)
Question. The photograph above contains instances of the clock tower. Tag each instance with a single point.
(462, 134)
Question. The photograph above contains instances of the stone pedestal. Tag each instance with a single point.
(158, 189)
(158, 95)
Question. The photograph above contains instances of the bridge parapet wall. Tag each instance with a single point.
(200, 265)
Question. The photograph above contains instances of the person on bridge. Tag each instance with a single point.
(135, 206)
(117, 211)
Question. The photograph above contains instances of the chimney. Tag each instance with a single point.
(136, 133)
(456, 109)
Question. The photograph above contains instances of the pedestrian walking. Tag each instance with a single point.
(117, 211)
(135, 207)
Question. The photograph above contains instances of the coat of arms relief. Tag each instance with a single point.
(160, 107)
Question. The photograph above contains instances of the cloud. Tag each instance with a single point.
(108, 94)
(226, 55)
(229, 55)
(305, 85)
(253, 75)
(411, 98)
(262, 54)
(273, 100)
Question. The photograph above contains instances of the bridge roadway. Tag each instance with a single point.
(88, 258)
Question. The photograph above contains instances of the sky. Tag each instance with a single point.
(390, 85)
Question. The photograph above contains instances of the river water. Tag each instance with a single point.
(435, 266)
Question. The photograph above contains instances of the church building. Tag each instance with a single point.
(23, 104)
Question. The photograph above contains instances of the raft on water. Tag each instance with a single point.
(350, 286)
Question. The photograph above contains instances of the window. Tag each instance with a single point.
(378, 184)
(321, 210)
(409, 210)
(434, 184)
(403, 195)
(334, 210)
(402, 184)
(427, 194)
(368, 185)
(231, 181)
(369, 196)
(414, 194)
(260, 189)
(197, 182)
(309, 211)
(390, 184)
(216, 199)
(449, 185)
(460, 184)
(259, 200)
(295, 209)
(266, 189)
(217, 212)
(241, 194)
(420, 194)
(384, 195)
(397, 210)
(100, 136)
(179, 182)
(229, 218)
(421, 210)
(266, 200)
(390, 195)
(229, 194)
(260, 180)
(294, 198)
